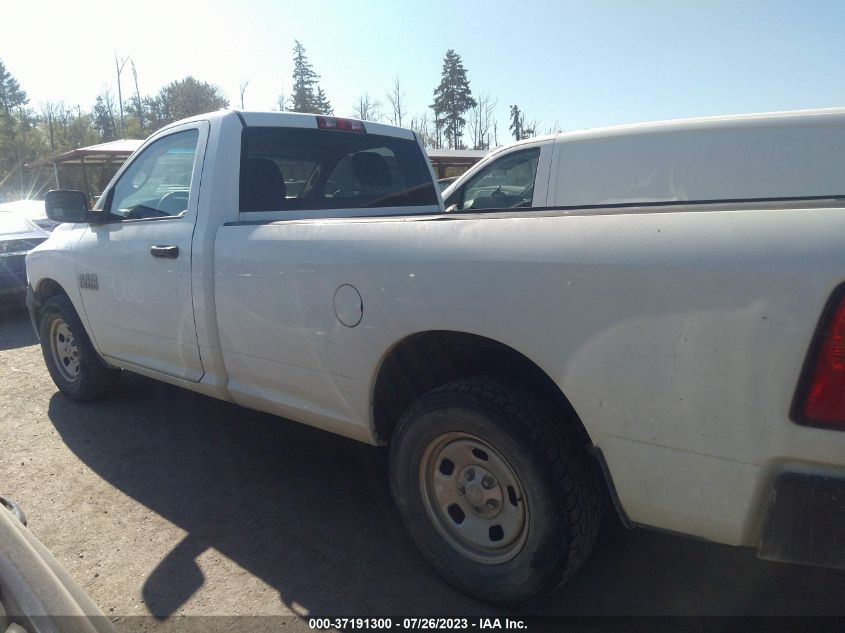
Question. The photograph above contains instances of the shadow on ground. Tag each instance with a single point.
(15, 328)
(310, 514)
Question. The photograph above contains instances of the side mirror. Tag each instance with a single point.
(66, 205)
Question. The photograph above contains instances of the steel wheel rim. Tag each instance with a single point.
(474, 498)
(64, 349)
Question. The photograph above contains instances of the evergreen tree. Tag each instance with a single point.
(452, 98)
(324, 106)
(516, 123)
(305, 79)
(11, 95)
(104, 120)
(13, 132)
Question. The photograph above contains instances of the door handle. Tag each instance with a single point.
(168, 252)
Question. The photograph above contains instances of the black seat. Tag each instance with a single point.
(263, 186)
(371, 169)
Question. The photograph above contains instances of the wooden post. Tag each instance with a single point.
(85, 179)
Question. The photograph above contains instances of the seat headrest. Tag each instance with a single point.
(263, 186)
(371, 169)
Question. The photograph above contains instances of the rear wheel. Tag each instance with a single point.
(494, 491)
(71, 359)
(474, 498)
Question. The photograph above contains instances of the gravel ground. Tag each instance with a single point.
(164, 503)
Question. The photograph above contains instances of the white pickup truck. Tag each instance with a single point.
(654, 316)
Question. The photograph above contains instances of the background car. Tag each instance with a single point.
(18, 236)
(32, 210)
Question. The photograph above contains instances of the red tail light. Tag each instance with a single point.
(822, 398)
(334, 123)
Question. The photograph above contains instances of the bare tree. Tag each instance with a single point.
(62, 123)
(554, 128)
(367, 109)
(50, 110)
(55, 113)
(420, 125)
(242, 90)
(481, 119)
(138, 105)
(119, 64)
(474, 125)
(529, 128)
(282, 103)
(395, 97)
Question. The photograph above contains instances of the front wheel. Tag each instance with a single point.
(494, 491)
(71, 359)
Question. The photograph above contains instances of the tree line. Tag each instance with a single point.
(28, 133)
(456, 118)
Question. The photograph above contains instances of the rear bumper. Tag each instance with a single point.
(805, 520)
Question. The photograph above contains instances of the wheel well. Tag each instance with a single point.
(424, 361)
(48, 288)
(45, 289)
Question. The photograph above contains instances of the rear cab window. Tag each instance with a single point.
(291, 172)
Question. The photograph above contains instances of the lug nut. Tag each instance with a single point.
(488, 482)
(492, 504)
(469, 474)
(461, 490)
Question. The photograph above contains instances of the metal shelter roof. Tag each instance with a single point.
(93, 154)
(457, 155)
(452, 162)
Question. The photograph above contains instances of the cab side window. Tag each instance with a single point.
(158, 183)
(505, 184)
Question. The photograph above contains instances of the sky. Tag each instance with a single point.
(568, 64)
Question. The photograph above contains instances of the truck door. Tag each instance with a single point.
(136, 268)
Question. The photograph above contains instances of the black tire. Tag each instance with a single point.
(93, 378)
(558, 484)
